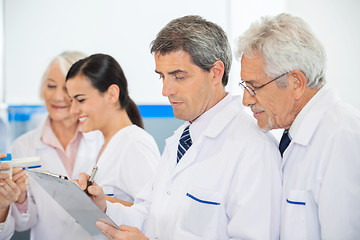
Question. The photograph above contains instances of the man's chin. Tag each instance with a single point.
(267, 127)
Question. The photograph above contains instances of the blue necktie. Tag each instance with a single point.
(184, 143)
(284, 142)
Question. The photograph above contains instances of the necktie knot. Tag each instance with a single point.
(184, 143)
(284, 142)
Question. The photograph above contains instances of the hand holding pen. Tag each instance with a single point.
(91, 179)
(96, 192)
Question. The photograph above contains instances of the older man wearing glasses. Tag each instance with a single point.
(283, 75)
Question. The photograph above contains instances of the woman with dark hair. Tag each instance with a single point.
(98, 89)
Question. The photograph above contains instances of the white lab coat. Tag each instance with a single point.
(7, 228)
(52, 221)
(128, 162)
(232, 165)
(321, 172)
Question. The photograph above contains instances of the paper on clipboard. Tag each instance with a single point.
(74, 201)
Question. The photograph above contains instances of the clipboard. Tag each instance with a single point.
(74, 201)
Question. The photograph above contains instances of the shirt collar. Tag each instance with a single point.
(49, 138)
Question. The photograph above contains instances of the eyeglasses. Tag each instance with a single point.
(252, 91)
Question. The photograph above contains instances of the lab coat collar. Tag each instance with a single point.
(93, 135)
(214, 125)
(307, 121)
(212, 122)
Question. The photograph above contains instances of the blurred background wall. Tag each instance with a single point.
(33, 32)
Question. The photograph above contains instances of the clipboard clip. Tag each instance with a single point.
(56, 175)
(50, 174)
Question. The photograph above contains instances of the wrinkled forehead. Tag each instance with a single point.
(252, 66)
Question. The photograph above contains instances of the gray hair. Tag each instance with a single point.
(286, 43)
(65, 61)
(204, 41)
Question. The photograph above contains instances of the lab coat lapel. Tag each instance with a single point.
(215, 127)
(189, 157)
(48, 161)
(310, 122)
(88, 152)
(170, 153)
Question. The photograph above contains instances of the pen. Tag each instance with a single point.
(91, 179)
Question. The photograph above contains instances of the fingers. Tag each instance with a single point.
(17, 170)
(95, 190)
(9, 192)
(108, 231)
(98, 196)
(83, 177)
(2, 155)
(4, 166)
(126, 233)
(18, 173)
(126, 228)
(21, 182)
(20, 179)
(11, 186)
(4, 176)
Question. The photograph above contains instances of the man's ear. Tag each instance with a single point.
(299, 83)
(112, 94)
(217, 72)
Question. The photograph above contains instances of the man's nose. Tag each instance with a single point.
(168, 88)
(248, 99)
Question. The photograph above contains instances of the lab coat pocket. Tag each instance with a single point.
(201, 212)
(300, 216)
(294, 215)
(108, 190)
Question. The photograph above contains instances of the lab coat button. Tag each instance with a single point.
(156, 238)
(168, 192)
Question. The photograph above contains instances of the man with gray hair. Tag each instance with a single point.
(283, 75)
(219, 176)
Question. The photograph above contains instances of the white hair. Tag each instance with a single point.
(65, 61)
(286, 43)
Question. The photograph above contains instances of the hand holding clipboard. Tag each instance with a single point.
(81, 207)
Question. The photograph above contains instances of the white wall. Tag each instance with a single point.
(37, 30)
(243, 13)
(336, 23)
